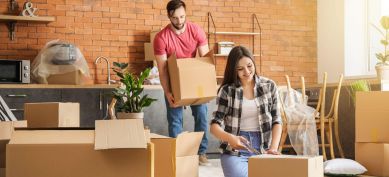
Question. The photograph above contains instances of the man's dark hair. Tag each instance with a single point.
(173, 5)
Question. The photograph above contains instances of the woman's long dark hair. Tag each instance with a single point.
(230, 73)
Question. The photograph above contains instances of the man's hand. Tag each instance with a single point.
(170, 99)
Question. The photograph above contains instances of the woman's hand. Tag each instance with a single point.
(238, 142)
(273, 151)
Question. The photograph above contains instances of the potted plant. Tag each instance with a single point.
(129, 99)
(382, 67)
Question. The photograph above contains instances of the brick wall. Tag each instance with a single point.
(117, 29)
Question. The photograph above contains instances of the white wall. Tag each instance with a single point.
(330, 39)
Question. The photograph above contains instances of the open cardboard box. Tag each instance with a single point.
(6, 130)
(192, 80)
(52, 114)
(285, 166)
(64, 153)
(177, 157)
(374, 157)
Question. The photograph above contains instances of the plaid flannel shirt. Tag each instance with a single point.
(229, 109)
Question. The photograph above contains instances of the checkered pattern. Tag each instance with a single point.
(229, 110)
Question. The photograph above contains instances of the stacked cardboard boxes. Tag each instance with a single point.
(371, 132)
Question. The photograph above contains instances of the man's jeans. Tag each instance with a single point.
(237, 166)
(175, 120)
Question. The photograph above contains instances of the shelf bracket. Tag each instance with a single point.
(13, 6)
(11, 29)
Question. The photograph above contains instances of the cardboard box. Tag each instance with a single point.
(374, 157)
(177, 157)
(52, 114)
(371, 117)
(64, 153)
(6, 130)
(149, 52)
(69, 78)
(192, 80)
(120, 133)
(285, 166)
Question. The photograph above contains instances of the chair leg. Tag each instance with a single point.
(340, 149)
(323, 147)
(330, 140)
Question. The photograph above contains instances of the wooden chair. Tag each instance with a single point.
(323, 122)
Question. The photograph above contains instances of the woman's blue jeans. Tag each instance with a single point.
(175, 121)
(237, 166)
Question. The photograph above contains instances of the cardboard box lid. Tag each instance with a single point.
(120, 133)
(6, 128)
(52, 137)
(186, 143)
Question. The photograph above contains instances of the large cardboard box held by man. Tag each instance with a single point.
(192, 80)
(65, 153)
(285, 166)
(6, 130)
(52, 114)
(371, 117)
(374, 157)
(177, 157)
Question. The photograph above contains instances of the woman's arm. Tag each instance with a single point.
(235, 142)
(276, 136)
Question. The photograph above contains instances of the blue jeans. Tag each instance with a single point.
(237, 166)
(175, 121)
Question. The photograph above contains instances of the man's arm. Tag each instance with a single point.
(164, 77)
(203, 50)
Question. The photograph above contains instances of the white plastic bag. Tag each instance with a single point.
(300, 121)
(58, 57)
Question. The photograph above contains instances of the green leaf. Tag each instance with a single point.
(385, 22)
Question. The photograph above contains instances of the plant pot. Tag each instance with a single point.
(382, 72)
(133, 115)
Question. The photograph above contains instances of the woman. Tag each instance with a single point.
(248, 109)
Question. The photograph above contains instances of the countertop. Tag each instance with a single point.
(94, 86)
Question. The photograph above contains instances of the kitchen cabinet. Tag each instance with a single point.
(93, 101)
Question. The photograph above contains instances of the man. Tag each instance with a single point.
(182, 38)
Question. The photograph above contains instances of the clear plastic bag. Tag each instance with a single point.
(58, 57)
(300, 121)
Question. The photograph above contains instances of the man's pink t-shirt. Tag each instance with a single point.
(184, 45)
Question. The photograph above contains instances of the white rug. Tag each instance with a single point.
(215, 170)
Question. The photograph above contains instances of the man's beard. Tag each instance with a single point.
(179, 27)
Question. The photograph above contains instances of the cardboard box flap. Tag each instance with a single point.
(6, 128)
(156, 136)
(187, 144)
(120, 133)
(52, 137)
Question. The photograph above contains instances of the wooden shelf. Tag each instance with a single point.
(235, 33)
(8, 18)
(11, 21)
(225, 55)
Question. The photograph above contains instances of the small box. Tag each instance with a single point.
(52, 114)
(225, 47)
(69, 78)
(149, 52)
(292, 166)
